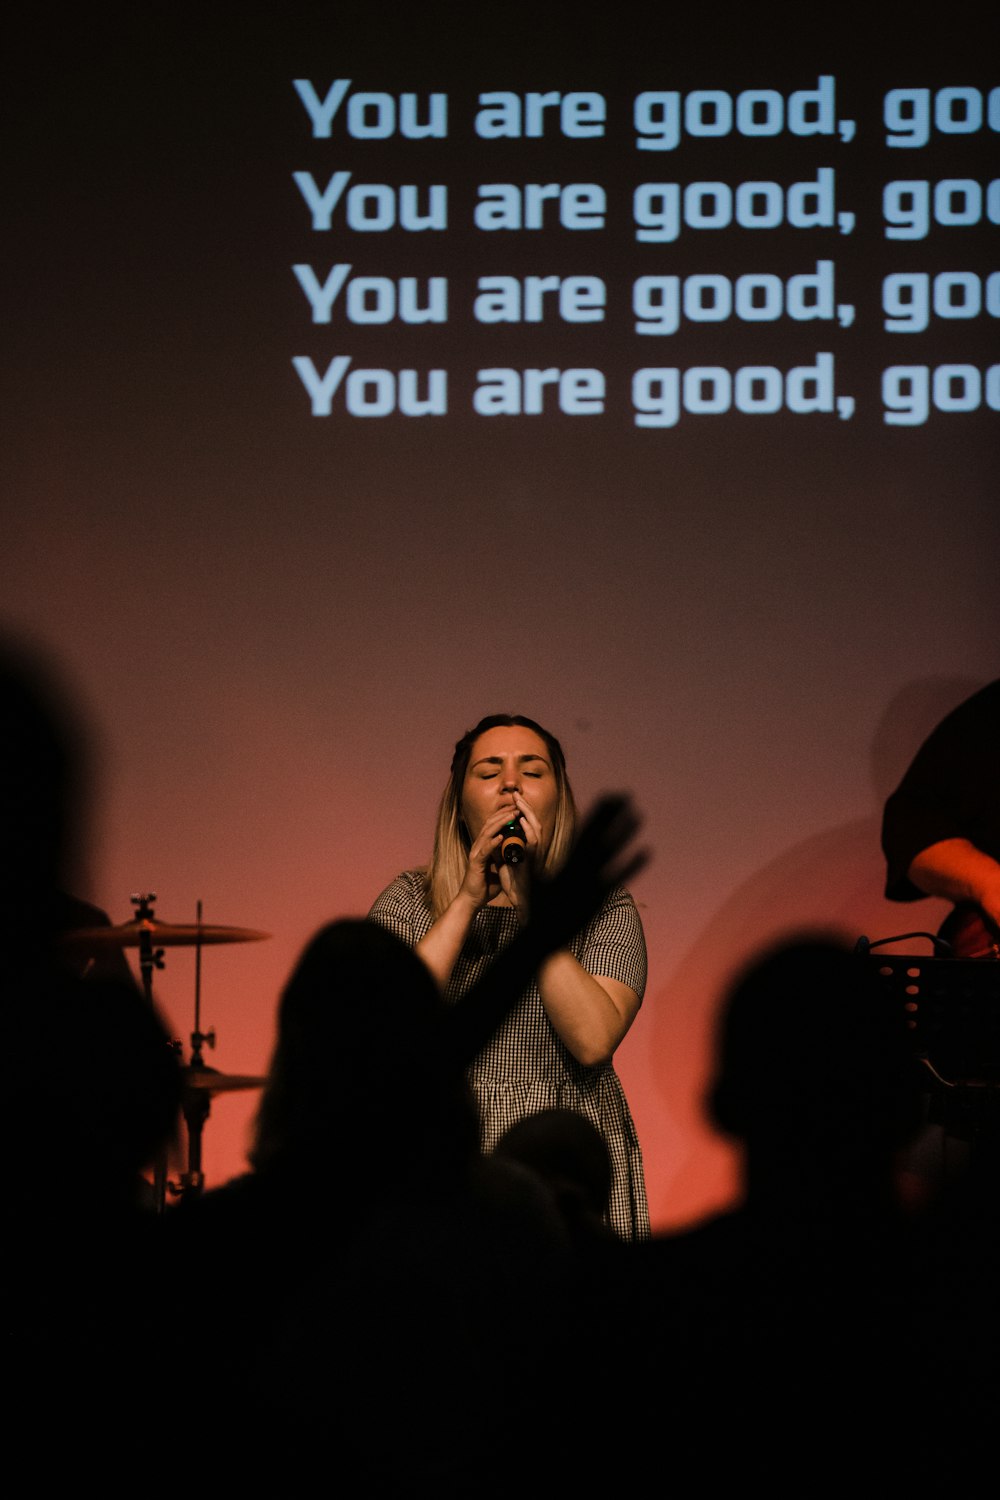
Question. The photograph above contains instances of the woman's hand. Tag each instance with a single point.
(515, 880)
(590, 1014)
(484, 872)
(484, 881)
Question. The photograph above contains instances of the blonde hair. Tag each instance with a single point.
(446, 871)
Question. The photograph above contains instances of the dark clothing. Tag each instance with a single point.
(951, 791)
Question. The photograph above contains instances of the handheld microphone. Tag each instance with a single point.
(513, 847)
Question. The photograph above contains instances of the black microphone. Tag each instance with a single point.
(512, 842)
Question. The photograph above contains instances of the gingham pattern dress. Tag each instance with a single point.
(525, 1067)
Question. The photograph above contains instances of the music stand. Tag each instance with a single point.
(952, 1008)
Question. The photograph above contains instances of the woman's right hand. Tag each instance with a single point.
(443, 943)
(482, 878)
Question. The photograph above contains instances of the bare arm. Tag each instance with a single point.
(443, 943)
(958, 871)
(590, 1015)
(561, 906)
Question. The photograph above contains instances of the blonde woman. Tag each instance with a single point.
(554, 1048)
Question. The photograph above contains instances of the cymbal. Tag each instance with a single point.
(207, 1080)
(161, 934)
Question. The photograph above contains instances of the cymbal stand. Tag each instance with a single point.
(197, 1105)
(199, 1037)
(150, 959)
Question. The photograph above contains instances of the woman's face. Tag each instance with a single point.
(503, 761)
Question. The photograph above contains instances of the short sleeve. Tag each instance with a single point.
(613, 945)
(949, 791)
(401, 908)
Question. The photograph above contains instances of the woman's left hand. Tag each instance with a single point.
(515, 880)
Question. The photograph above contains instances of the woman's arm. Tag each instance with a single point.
(562, 906)
(443, 943)
(590, 1014)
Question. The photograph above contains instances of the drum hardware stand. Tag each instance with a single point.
(199, 1080)
(151, 958)
(197, 1104)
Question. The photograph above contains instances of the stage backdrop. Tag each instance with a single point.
(370, 369)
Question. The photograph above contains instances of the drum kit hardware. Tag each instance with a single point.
(199, 1081)
(208, 1081)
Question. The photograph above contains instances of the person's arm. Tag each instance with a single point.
(944, 811)
(442, 945)
(590, 1014)
(958, 871)
(440, 948)
(560, 907)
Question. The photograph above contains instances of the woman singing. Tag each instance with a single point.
(554, 1048)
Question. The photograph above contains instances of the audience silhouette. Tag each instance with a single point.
(91, 1096)
(383, 1300)
(791, 1318)
(570, 1155)
(396, 1275)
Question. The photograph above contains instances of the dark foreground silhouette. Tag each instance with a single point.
(376, 1305)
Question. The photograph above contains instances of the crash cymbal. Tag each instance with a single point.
(161, 935)
(207, 1080)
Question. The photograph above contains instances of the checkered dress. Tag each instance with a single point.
(525, 1067)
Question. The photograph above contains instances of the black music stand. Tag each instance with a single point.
(952, 1007)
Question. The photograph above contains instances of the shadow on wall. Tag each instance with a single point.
(832, 881)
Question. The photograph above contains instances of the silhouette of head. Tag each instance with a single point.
(358, 1068)
(568, 1153)
(42, 775)
(96, 1078)
(814, 1058)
